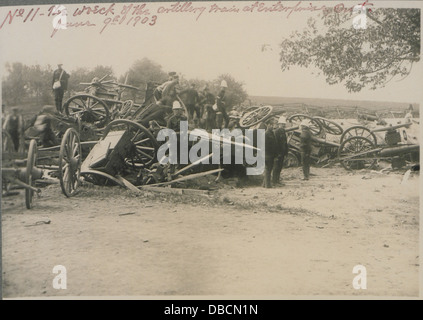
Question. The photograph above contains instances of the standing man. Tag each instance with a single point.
(305, 147)
(191, 101)
(60, 85)
(221, 110)
(208, 114)
(14, 126)
(281, 149)
(270, 154)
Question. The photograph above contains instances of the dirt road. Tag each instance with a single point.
(303, 238)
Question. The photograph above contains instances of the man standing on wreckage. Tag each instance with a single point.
(166, 94)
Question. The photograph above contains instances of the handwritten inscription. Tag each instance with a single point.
(148, 15)
(95, 10)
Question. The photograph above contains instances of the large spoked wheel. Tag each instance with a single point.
(315, 127)
(30, 164)
(143, 149)
(126, 109)
(330, 126)
(291, 160)
(89, 108)
(357, 153)
(70, 162)
(359, 131)
(256, 116)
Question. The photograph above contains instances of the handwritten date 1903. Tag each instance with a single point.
(133, 21)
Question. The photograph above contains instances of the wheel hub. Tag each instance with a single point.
(73, 163)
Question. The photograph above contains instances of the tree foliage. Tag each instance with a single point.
(13, 86)
(143, 71)
(23, 83)
(357, 58)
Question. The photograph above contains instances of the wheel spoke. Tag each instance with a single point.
(82, 106)
(135, 135)
(145, 148)
(76, 113)
(94, 104)
(141, 141)
(145, 154)
(65, 166)
(98, 109)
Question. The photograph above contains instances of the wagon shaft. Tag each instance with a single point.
(20, 173)
(390, 128)
(325, 142)
(400, 150)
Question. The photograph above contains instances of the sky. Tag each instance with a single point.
(196, 46)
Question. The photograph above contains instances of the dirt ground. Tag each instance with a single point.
(300, 239)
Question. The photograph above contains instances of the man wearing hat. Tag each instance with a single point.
(60, 85)
(281, 149)
(220, 106)
(174, 121)
(305, 147)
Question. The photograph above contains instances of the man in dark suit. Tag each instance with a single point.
(191, 99)
(305, 147)
(281, 149)
(60, 85)
(221, 106)
(207, 100)
(270, 153)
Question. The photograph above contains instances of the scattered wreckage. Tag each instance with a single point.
(105, 140)
(357, 147)
(102, 150)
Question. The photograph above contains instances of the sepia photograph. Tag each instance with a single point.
(211, 150)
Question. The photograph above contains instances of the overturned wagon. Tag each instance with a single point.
(363, 150)
(63, 161)
(102, 101)
(358, 146)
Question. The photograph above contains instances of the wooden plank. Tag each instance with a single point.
(175, 190)
(127, 184)
(186, 178)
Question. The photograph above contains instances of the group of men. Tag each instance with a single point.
(207, 110)
(276, 149)
(14, 124)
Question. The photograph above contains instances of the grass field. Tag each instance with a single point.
(333, 108)
(330, 108)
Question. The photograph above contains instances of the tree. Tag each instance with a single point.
(358, 58)
(142, 72)
(14, 86)
(38, 82)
